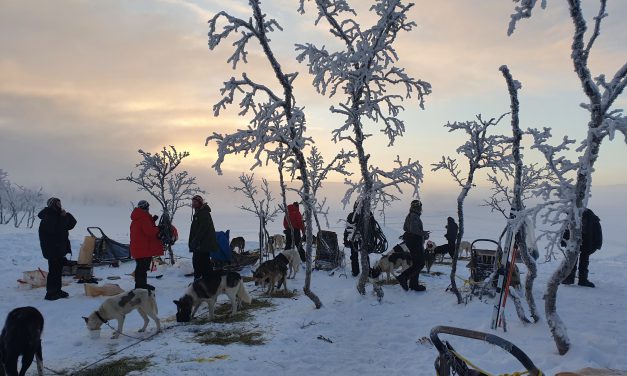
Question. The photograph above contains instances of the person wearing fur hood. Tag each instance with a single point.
(54, 233)
(145, 243)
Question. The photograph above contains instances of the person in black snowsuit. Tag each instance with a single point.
(414, 237)
(202, 238)
(451, 235)
(591, 241)
(54, 233)
(353, 237)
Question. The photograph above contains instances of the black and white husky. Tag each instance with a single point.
(21, 336)
(208, 289)
(117, 307)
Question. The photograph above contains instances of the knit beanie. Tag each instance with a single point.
(143, 204)
(52, 202)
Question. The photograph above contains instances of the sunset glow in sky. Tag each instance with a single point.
(84, 84)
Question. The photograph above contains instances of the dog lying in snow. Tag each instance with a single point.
(272, 272)
(21, 336)
(207, 290)
(398, 258)
(118, 306)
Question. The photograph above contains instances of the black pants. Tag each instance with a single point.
(141, 272)
(451, 248)
(584, 261)
(55, 269)
(201, 261)
(414, 243)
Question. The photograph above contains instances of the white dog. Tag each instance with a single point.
(278, 241)
(293, 261)
(464, 247)
(117, 307)
(398, 258)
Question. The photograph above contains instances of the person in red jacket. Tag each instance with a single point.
(294, 226)
(145, 243)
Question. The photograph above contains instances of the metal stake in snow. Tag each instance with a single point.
(503, 270)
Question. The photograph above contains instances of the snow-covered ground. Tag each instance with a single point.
(368, 338)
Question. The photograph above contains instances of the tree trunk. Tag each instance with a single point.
(458, 241)
(518, 205)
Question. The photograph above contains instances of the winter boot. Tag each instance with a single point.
(402, 280)
(568, 280)
(585, 283)
(414, 286)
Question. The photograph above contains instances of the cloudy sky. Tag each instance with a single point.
(85, 84)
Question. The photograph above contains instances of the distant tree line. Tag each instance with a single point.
(18, 203)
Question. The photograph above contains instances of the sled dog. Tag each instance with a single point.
(398, 258)
(21, 335)
(273, 272)
(208, 289)
(278, 241)
(238, 243)
(464, 247)
(429, 255)
(293, 259)
(118, 306)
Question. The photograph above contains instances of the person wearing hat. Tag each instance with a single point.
(294, 226)
(54, 233)
(202, 237)
(414, 237)
(145, 243)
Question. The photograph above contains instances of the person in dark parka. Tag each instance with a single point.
(591, 241)
(54, 232)
(414, 237)
(202, 237)
(451, 235)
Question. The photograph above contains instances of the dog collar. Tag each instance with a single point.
(100, 318)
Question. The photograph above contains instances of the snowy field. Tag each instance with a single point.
(366, 337)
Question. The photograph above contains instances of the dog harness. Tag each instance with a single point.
(100, 318)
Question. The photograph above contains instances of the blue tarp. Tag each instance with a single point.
(224, 251)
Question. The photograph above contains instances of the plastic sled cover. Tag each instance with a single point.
(224, 250)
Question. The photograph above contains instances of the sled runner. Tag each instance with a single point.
(105, 249)
(449, 362)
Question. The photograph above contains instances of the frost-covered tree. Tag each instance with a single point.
(277, 124)
(160, 177)
(262, 208)
(4, 182)
(319, 172)
(372, 89)
(21, 203)
(567, 200)
(481, 151)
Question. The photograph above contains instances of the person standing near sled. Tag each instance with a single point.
(202, 237)
(145, 243)
(54, 238)
(414, 237)
(293, 228)
(451, 235)
(591, 241)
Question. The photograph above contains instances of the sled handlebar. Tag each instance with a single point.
(486, 337)
(102, 235)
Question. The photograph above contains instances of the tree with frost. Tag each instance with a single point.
(366, 76)
(277, 124)
(21, 203)
(161, 178)
(4, 182)
(567, 200)
(482, 151)
(319, 172)
(262, 208)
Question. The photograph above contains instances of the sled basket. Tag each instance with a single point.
(328, 254)
(482, 260)
(107, 250)
(449, 362)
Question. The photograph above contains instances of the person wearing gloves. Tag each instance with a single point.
(54, 233)
(202, 237)
(145, 243)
